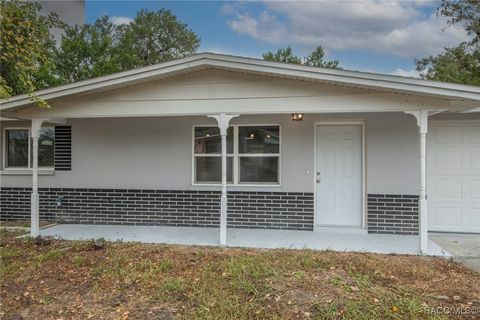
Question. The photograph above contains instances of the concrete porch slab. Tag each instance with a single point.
(251, 238)
(464, 247)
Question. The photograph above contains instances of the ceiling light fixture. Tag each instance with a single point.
(297, 116)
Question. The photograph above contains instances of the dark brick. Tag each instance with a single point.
(267, 210)
(392, 214)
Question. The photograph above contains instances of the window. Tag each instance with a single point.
(18, 148)
(259, 153)
(208, 155)
(253, 155)
(45, 147)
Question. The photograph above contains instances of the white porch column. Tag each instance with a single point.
(422, 122)
(223, 121)
(34, 213)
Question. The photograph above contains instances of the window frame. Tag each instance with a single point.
(4, 150)
(236, 158)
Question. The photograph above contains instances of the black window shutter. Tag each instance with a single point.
(63, 148)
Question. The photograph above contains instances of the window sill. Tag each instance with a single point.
(26, 172)
(237, 185)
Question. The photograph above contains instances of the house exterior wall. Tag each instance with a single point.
(132, 152)
(156, 153)
(139, 171)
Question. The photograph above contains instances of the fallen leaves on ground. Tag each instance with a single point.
(81, 280)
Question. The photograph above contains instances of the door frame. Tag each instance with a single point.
(361, 123)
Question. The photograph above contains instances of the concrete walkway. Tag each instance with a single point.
(465, 248)
(338, 240)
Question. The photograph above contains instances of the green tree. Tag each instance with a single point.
(282, 55)
(315, 59)
(158, 36)
(460, 64)
(102, 48)
(26, 49)
(92, 50)
(465, 13)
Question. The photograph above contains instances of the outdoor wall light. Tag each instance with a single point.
(297, 116)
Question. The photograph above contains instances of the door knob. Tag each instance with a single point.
(318, 180)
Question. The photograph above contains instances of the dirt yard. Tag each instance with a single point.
(83, 280)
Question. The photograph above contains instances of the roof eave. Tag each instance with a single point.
(341, 77)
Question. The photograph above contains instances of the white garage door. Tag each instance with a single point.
(453, 181)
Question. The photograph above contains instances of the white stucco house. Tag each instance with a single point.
(214, 141)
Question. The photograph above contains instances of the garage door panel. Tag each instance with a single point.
(447, 189)
(472, 134)
(473, 218)
(448, 160)
(473, 190)
(453, 176)
(448, 134)
(472, 162)
(446, 217)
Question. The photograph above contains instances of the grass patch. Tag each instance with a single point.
(50, 255)
(9, 252)
(172, 285)
(171, 289)
(7, 269)
(78, 261)
(147, 281)
(375, 304)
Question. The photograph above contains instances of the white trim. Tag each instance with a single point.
(364, 166)
(236, 158)
(209, 60)
(26, 172)
(454, 121)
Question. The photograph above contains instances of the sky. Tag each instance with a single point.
(373, 36)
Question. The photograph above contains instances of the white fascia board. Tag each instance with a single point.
(343, 77)
(474, 110)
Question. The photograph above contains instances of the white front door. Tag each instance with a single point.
(339, 175)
